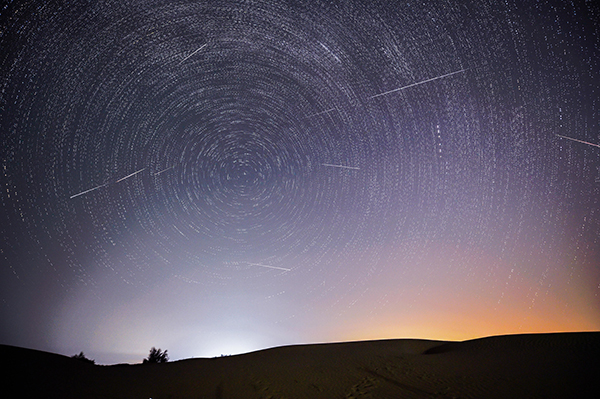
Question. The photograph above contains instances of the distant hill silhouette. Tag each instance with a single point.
(557, 365)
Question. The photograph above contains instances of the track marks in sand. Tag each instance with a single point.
(363, 388)
(404, 387)
(406, 378)
(266, 391)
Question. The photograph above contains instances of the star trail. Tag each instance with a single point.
(215, 177)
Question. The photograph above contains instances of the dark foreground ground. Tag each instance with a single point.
(561, 365)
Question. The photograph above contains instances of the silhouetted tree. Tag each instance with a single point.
(82, 357)
(157, 356)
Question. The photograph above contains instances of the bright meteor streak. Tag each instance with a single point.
(418, 83)
(340, 166)
(164, 170)
(106, 184)
(86, 191)
(267, 266)
(128, 176)
(201, 47)
(579, 141)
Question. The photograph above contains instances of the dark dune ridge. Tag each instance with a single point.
(555, 365)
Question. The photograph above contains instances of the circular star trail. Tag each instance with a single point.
(267, 165)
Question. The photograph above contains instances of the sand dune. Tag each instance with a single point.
(561, 365)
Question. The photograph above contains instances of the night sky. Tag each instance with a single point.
(215, 177)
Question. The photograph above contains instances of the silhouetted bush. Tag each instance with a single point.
(157, 356)
(82, 357)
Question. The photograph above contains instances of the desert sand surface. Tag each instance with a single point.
(556, 365)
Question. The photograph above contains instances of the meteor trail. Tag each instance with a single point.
(128, 176)
(201, 47)
(322, 112)
(267, 266)
(340, 166)
(418, 83)
(87, 191)
(162, 171)
(579, 141)
(330, 52)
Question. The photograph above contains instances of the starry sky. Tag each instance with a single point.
(215, 177)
